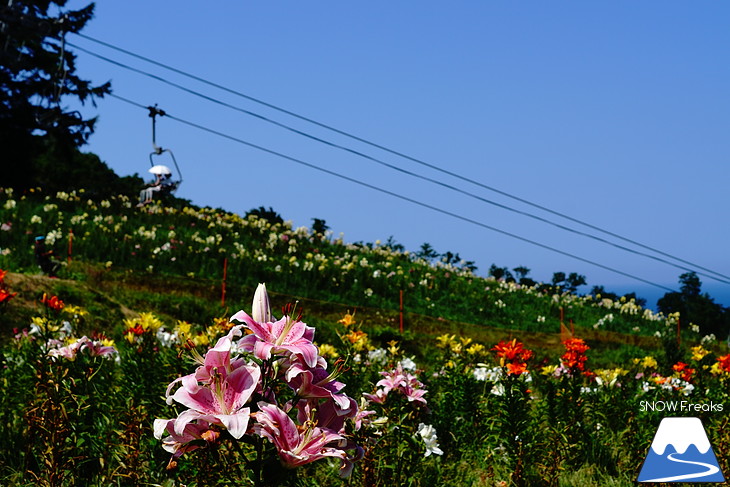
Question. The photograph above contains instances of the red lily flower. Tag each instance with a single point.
(574, 357)
(516, 368)
(724, 362)
(684, 370)
(52, 302)
(514, 355)
(6, 296)
(136, 330)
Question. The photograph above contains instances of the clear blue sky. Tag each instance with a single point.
(616, 113)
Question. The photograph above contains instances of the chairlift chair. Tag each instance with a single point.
(168, 187)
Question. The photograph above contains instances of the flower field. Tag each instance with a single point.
(156, 358)
(204, 243)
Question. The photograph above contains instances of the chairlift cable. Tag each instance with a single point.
(62, 70)
(406, 171)
(396, 195)
(402, 155)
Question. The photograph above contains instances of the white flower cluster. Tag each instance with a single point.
(428, 434)
(671, 384)
(53, 235)
(707, 339)
(378, 356)
(167, 339)
(483, 373)
(408, 364)
(606, 319)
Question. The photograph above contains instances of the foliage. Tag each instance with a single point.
(695, 307)
(319, 226)
(569, 283)
(189, 242)
(37, 73)
(269, 215)
(60, 168)
(80, 411)
(496, 399)
(271, 384)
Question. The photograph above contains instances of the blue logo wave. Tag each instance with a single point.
(690, 466)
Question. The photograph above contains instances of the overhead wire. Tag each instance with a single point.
(391, 166)
(725, 279)
(390, 193)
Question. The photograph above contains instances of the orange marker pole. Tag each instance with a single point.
(401, 311)
(223, 284)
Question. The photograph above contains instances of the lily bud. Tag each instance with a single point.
(211, 436)
(261, 311)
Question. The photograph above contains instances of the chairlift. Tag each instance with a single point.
(161, 169)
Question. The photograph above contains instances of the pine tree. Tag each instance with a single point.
(696, 307)
(37, 74)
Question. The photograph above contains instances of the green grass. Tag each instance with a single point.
(573, 439)
(197, 243)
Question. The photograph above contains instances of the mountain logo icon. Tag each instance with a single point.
(681, 452)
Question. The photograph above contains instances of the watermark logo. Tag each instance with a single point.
(681, 452)
(681, 406)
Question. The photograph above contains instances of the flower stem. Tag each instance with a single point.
(257, 468)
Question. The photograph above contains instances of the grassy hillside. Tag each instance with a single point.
(196, 244)
(508, 401)
(118, 260)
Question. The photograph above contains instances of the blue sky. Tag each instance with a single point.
(616, 113)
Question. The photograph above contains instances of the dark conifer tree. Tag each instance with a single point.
(37, 77)
(696, 307)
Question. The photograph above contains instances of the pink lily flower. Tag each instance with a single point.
(378, 398)
(327, 414)
(218, 359)
(288, 335)
(185, 441)
(68, 352)
(217, 362)
(317, 383)
(222, 396)
(404, 382)
(396, 379)
(392, 380)
(296, 446)
(93, 348)
(330, 418)
(362, 418)
(413, 394)
(96, 349)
